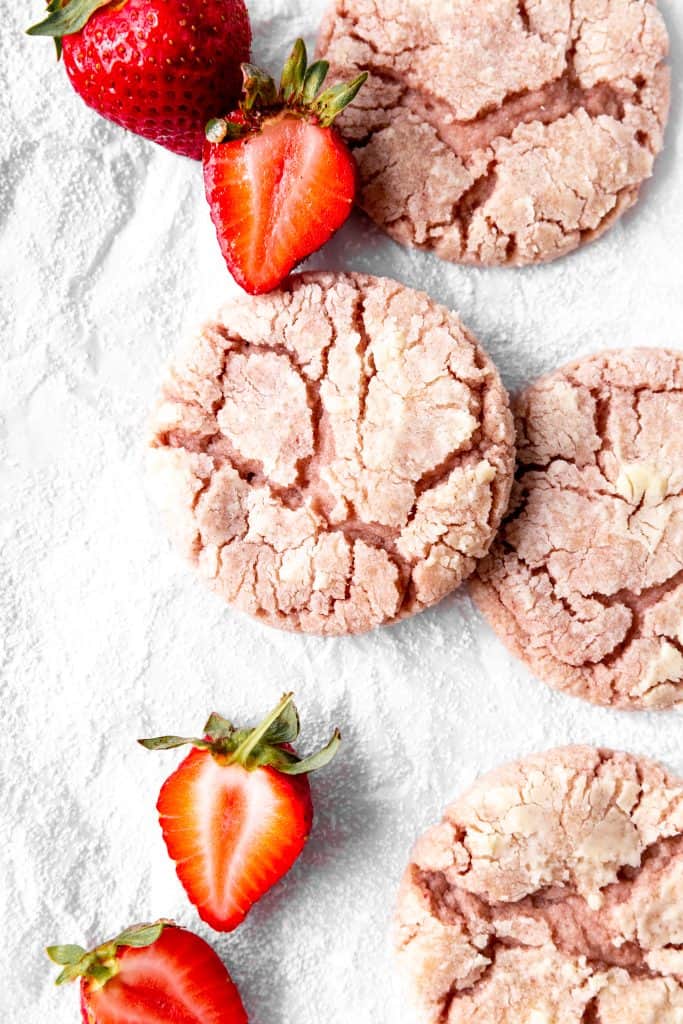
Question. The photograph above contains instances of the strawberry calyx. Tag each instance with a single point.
(64, 17)
(267, 745)
(101, 964)
(298, 94)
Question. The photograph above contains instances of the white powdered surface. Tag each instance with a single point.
(107, 254)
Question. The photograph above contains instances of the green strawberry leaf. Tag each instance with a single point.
(314, 761)
(170, 742)
(331, 102)
(140, 935)
(101, 973)
(315, 76)
(273, 757)
(218, 728)
(285, 728)
(64, 21)
(259, 88)
(293, 73)
(64, 955)
(70, 973)
(54, 5)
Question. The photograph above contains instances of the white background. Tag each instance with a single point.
(107, 255)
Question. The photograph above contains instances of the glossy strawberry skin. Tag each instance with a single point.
(232, 832)
(178, 978)
(276, 196)
(161, 67)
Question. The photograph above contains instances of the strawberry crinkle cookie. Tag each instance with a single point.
(585, 580)
(551, 893)
(335, 455)
(501, 132)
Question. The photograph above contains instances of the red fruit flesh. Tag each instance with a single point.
(233, 833)
(276, 196)
(161, 68)
(177, 979)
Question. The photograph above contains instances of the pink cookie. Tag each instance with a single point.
(498, 131)
(335, 455)
(585, 581)
(551, 893)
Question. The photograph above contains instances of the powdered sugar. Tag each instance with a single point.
(107, 255)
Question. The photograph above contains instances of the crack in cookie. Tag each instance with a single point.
(558, 108)
(551, 891)
(335, 455)
(585, 581)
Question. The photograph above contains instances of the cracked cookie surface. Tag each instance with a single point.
(335, 455)
(585, 580)
(501, 131)
(550, 893)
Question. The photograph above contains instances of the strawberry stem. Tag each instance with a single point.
(241, 755)
(216, 129)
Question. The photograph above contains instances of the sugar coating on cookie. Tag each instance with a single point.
(585, 580)
(551, 893)
(335, 455)
(501, 131)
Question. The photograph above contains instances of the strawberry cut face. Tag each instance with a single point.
(178, 979)
(279, 179)
(276, 196)
(237, 812)
(233, 833)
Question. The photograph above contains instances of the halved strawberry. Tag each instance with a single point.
(150, 974)
(279, 179)
(237, 812)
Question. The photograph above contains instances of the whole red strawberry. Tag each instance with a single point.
(237, 812)
(151, 973)
(156, 67)
(279, 179)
